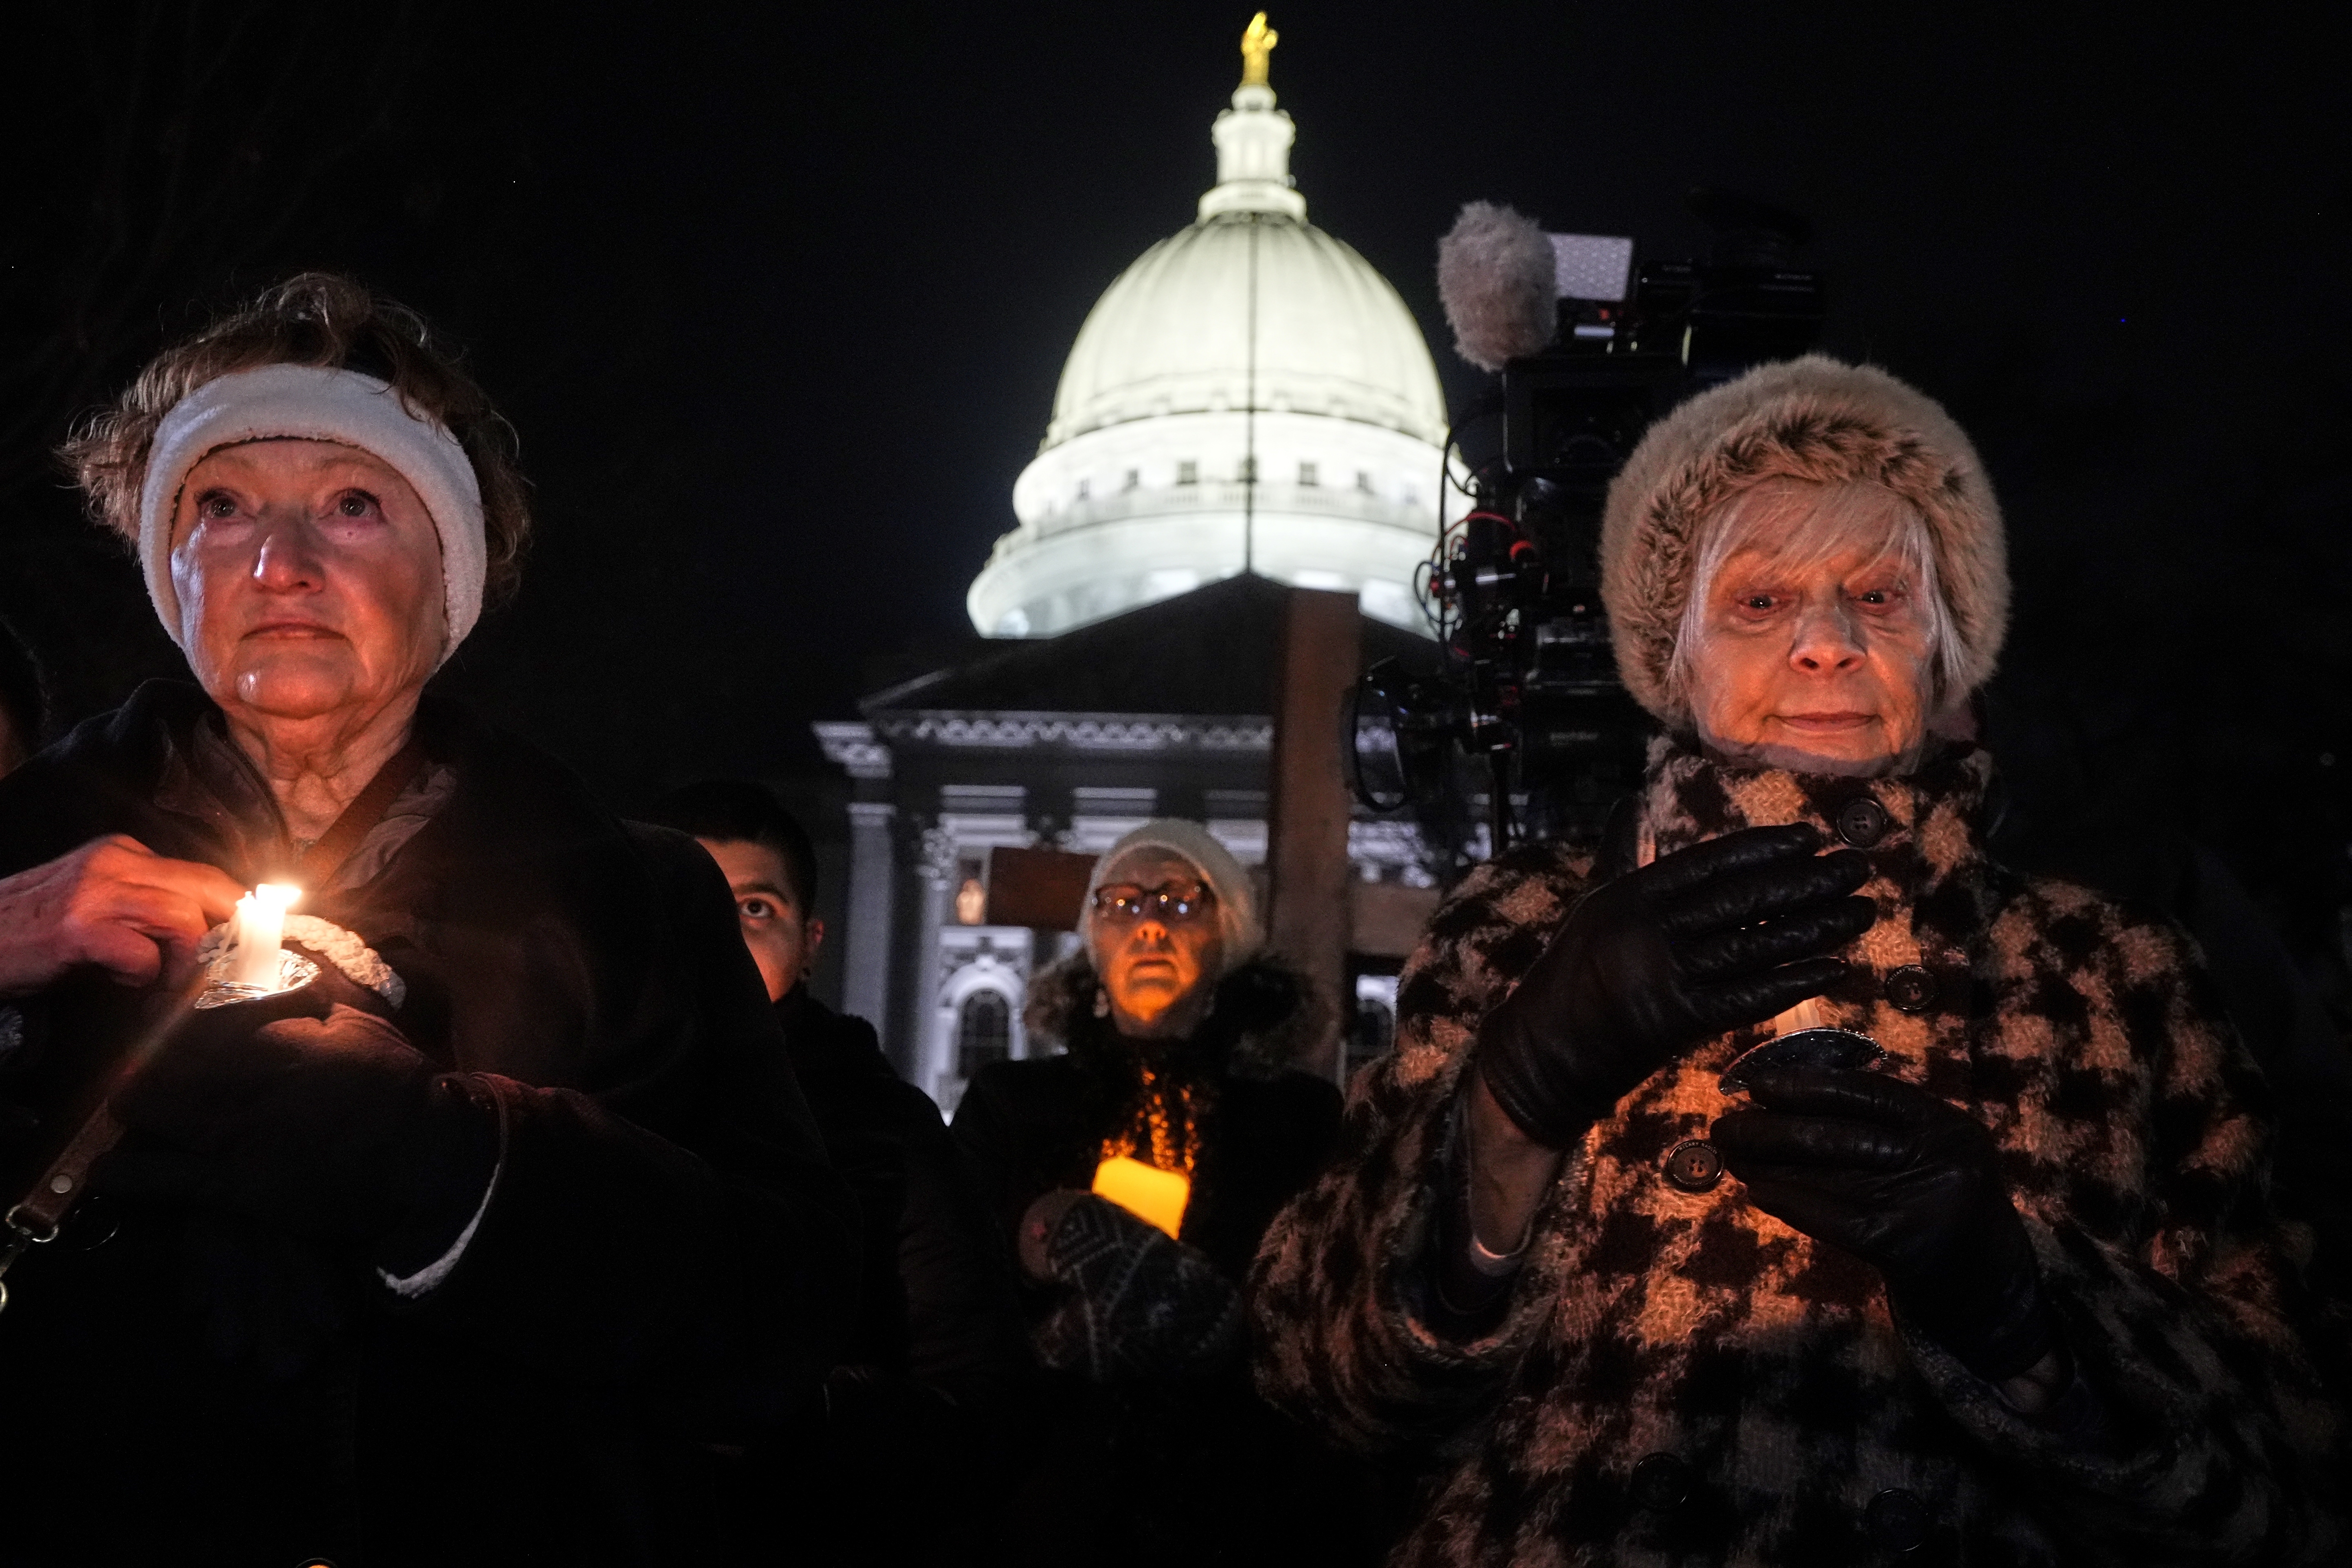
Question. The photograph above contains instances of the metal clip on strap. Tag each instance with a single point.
(33, 1221)
(35, 1218)
(13, 1245)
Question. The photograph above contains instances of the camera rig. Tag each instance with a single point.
(1525, 707)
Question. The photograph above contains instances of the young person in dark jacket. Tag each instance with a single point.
(888, 1471)
(1178, 1036)
(463, 1252)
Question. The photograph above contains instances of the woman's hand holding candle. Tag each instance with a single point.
(113, 904)
(1155, 1196)
(333, 1127)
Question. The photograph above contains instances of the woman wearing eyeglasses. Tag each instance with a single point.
(1173, 1093)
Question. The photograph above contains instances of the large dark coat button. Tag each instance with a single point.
(1694, 1165)
(1863, 822)
(1660, 1482)
(1911, 988)
(1897, 1520)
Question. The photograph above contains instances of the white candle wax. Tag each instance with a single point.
(260, 928)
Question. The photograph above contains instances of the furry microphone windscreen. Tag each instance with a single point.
(1495, 274)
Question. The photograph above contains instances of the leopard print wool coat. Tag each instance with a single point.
(1800, 1423)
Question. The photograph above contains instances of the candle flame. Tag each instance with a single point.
(256, 957)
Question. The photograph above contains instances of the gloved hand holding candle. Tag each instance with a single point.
(1136, 1303)
(1700, 942)
(1909, 1184)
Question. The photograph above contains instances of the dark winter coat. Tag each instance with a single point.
(660, 1266)
(1191, 1472)
(1032, 1126)
(897, 1460)
(1798, 1420)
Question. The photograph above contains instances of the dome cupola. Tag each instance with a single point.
(1253, 141)
(1249, 395)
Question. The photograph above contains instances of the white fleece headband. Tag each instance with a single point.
(1236, 898)
(311, 403)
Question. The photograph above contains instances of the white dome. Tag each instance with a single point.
(1172, 335)
(1249, 395)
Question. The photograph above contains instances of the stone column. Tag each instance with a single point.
(925, 1046)
(873, 876)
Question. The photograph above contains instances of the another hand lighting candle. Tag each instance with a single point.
(258, 931)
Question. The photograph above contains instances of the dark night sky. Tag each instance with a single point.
(778, 300)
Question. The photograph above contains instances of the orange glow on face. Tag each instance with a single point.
(1156, 973)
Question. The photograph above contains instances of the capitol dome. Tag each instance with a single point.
(1250, 395)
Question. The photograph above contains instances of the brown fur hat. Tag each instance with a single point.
(1816, 419)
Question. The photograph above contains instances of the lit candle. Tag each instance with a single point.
(260, 928)
(1808, 1013)
(1145, 1191)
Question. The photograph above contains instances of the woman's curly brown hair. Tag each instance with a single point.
(320, 319)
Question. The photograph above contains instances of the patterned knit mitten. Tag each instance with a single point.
(1137, 1305)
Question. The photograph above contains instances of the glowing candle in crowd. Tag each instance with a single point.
(1144, 1191)
(260, 926)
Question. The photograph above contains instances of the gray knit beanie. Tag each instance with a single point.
(1236, 898)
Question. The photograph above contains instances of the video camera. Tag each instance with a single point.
(1590, 349)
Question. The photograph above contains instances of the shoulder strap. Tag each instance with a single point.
(36, 1216)
(335, 845)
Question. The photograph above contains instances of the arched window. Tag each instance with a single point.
(983, 1032)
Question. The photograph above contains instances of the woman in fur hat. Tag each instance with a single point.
(1177, 1034)
(1794, 1185)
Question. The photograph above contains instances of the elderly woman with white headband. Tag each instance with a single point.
(457, 1253)
(1730, 1201)
(1134, 1171)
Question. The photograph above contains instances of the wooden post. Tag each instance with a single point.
(1307, 825)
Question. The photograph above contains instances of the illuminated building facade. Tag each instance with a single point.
(1249, 408)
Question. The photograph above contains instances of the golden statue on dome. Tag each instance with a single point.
(1257, 43)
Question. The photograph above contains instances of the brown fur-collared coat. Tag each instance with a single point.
(1655, 1321)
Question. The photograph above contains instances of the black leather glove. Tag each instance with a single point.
(1139, 1304)
(333, 1130)
(1909, 1184)
(1698, 943)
